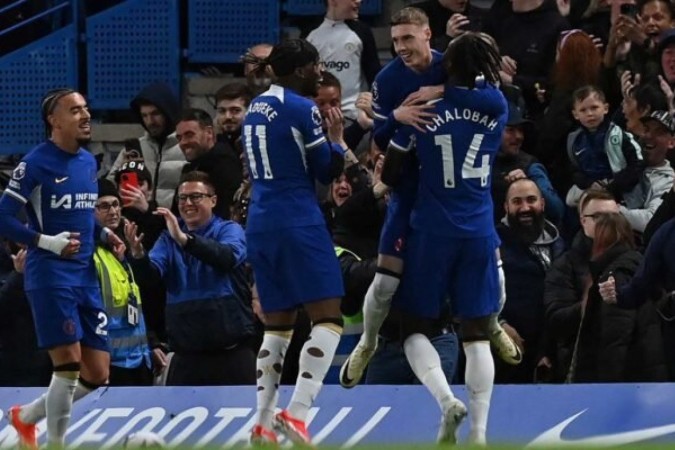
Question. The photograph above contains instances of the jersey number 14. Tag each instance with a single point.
(468, 169)
(261, 134)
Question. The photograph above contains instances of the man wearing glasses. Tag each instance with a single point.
(200, 259)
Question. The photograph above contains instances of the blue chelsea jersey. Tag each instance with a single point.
(59, 190)
(456, 154)
(396, 81)
(285, 150)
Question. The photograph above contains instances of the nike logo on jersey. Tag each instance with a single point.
(60, 180)
(553, 436)
(579, 152)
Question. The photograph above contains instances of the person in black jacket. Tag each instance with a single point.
(616, 344)
(218, 159)
(569, 280)
(529, 246)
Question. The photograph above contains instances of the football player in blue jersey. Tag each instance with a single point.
(56, 183)
(451, 245)
(289, 247)
(416, 66)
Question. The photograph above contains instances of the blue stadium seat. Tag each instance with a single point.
(221, 31)
(317, 7)
(129, 46)
(26, 75)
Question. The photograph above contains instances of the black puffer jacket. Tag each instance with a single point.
(564, 289)
(615, 344)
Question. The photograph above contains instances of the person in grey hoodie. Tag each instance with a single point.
(157, 109)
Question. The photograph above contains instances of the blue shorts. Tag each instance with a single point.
(65, 315)
(440, 267)
(397, 219)
(294, 266)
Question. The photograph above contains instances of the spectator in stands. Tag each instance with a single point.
(568, 282)
(232, 100)
(347, 48)
(602, 154)
(201, 261)
(635, 42)
(450, 18)
(527, 36)
(640, 204)
(137, 204)
(616, 344)
(130, 354)
(578, 63)
(329, 96)
(157, 109)
(139, 207)
(512, 163)
(21, 362)
(529, 246)
(258, 81)
(217, 159)
(639, 99)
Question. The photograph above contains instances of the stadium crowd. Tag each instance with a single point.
(583, 204)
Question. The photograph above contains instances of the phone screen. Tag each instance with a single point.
(128, 179)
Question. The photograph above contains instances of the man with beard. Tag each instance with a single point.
(197, 141)
(529, 245)
(232, 100)
(56, 184)
(513, 163)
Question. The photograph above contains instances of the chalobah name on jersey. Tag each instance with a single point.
(82, 200)
(463, 114)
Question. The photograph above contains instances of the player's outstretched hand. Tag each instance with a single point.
(135, 241)
(416, 116)
(172, 225)
(424, 94)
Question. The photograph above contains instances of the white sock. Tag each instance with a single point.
(269, 366)
(36, 410)
(376, 306)
(58, 405)
(426, 364)
(315, 360)
(479, 377)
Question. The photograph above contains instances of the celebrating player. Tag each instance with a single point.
(56, 182)
(289, 247)
(452, 237)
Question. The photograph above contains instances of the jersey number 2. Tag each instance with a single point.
(468, 169)
(261, 134)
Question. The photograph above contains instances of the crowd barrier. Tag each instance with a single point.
(580, 415)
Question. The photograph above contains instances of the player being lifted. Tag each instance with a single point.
(451, 245)
(416, 74)
(56, 182)
(289, 247)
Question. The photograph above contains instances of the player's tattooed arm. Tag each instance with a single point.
(393, 165)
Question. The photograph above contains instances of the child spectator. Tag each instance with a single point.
(602, 154)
